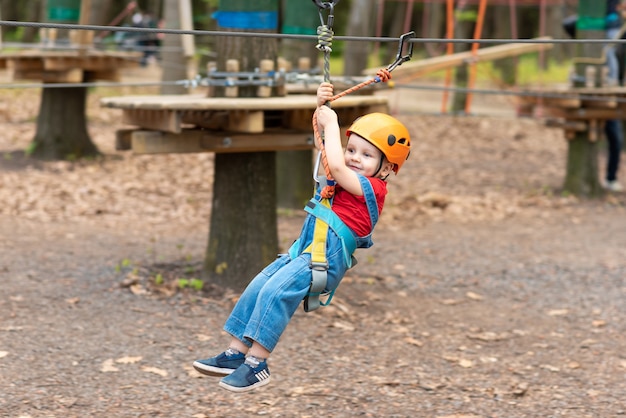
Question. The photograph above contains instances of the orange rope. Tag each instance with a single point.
(328, 191)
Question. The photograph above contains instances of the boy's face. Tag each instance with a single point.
(364, 158)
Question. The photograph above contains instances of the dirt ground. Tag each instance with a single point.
(488, 292)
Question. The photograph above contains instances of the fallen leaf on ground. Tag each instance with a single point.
(343, 325)
(474, 296)
(558, 312)
(108, 367)
(489, 336)
(550, 368)
(128, 360)
(202, 337)
(466, 364)
(160, 372)
(414, 342)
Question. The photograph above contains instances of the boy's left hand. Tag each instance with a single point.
(324, 93)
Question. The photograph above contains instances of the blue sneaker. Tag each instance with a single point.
(221, 365)
(247, 378)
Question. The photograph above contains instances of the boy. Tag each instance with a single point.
(378, 144)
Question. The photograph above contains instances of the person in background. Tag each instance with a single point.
(613, 127)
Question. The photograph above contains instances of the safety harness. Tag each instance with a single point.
(325, 219)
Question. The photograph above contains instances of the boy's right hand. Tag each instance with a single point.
(324, 93)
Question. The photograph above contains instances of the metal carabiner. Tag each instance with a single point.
(325, 4)
(331, 13)
(403, 58)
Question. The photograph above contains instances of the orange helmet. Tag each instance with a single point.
(387, 134)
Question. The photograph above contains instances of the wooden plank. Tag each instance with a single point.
(564, 102)
(428, 65)
(160, 120)
(608, 102)
(196, 140)
(123, 139)
(28, 64)
(107, 75)
(576, 126)
(70, 76)
(584, 113)
(200, 102)
(245, 121)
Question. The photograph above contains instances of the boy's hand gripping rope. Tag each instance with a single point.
(382, 75)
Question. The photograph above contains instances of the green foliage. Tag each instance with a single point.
(124, 264)
(193, 283)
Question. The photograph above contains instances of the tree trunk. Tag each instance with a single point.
(465, 30)
(356, 54)
(62, 126)
(243, 235)
(173, 57)
(503, 24)
(582, 156)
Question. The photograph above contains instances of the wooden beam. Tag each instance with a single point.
(585, 114)
(454, 60)
(196, 140)
(568, 125)
(246, 121)
(161, 120)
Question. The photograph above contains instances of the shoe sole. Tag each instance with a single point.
(212, 370)
(245, 388)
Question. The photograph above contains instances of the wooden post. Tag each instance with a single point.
(189, 46)
(582, 155)
(172, 51)
(84, 38)
(243, 234)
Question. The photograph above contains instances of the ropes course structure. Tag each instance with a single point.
(320, 39)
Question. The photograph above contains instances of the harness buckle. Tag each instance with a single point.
(317, 266)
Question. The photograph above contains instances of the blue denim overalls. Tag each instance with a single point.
(269, 301)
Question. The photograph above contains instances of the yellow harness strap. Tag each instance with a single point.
(319, 264)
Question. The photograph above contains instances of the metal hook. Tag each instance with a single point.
(403, 58)
(330, 5)
(325, 4)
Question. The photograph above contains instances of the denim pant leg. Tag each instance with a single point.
(611, 55)
(615, 139)
(268, 303)
(238, 319)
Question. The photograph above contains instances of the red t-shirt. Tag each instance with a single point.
(352, 210)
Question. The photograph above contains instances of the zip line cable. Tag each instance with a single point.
(198, 81)
(312, 38)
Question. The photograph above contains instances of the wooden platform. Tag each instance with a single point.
(194, 123)
(576, 109)
(52, 66)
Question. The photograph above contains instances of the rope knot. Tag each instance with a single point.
(383, 75)
(324, 38)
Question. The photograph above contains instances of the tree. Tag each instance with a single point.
(359, 24)
(61, 122)
(582, 153)
(243, 230)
